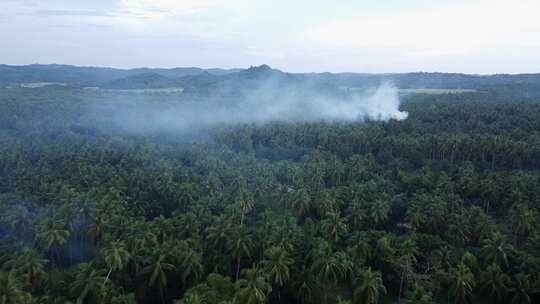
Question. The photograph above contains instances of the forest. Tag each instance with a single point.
(440, 207)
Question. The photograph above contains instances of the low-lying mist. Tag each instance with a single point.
(264, 104)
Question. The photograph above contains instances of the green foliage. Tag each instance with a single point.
(441, 207)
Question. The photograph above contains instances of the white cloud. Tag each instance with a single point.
(171, 5)
(457, 29)
(171, 17)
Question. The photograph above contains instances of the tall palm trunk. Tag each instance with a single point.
(238, 261)
(107, 277)
(161, 294)
(401, 286)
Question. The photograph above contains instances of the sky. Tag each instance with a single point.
(367, 36)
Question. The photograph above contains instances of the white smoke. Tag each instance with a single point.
(267, 103)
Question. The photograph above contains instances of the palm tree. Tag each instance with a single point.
(521, 289)
(19, 220)
(192, 298)
(523, 219)
(187, 194)
(240, 246)
(407, 259)
(420, 296)
(329, 266)
(384, 251)
(415, 216)
(218, 234)
(340, 300)
(157, 270)
(369, 287)
(88, 281)
(245, 203)
(97, 226)
(116, 256)
(495, 282)
(253, 289)
(277, 265)
(495, 249)
(189, 225)
(379, 211)
(191, 265)
(53, 233)
(30, 265)
(357, 214)
(333, 226)
(11, 291)
(300, 202)
(123, 299)
(325, 203)
(462, 283)
(360, 249)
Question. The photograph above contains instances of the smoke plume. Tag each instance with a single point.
(267, 103)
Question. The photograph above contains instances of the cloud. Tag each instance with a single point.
(204, 19)
(170, 5)
(71, 12)
(455, 29)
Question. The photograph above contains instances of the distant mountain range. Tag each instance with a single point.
(228, 81)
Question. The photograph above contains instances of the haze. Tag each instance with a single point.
(479, 36)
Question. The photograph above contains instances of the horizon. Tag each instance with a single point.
(257, 66)
(471, 37)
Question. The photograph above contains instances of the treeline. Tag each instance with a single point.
(441, 207)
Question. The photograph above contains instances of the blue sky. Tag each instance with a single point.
(473, 36)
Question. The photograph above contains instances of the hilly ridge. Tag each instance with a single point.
(232, 81)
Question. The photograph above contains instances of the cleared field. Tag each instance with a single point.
(33, 85)
(139, 91)
(436, 91)
(412, 91)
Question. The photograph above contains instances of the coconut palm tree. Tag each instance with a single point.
(369, 287)
(88, 281)
(420, 296)
(53, 233)
(253, 288)
(191, 265)
(521, 289)
(97, 226)
(462, 283)
(245, 204)
(156, 271)
(192, 298)
(325, 203)
(300, 202)
(407, 259)
(30, 265)
(187, 194)
(240, 245)
(116, 256)
(523, 219)
(379, 211)
(495, 282)
(329, 267)
(357, 214)
(11, 291)
(496, 249)
(277, 265)
(333, 227)
(218, 234)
